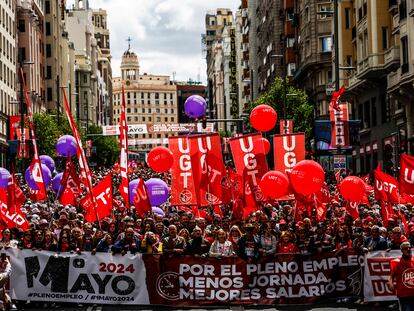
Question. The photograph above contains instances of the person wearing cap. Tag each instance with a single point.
(402, 277)
(248, 245)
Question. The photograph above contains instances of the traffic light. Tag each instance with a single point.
(204, 122)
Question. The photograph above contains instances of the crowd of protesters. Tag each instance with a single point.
(269, 231)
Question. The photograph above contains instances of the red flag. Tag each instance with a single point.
(86, 174)
(141, 199)
(70, 189)
(352, 209)
(208, 168)
(35, 167)
(407, 174)
(250, 162)
(183, 188)
(386, 187)
(10, 212)
(123, 137)
(324, 195)
(384, 213)
(288, 150)
(336, 95)
(102, 193)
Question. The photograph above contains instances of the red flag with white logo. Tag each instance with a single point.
(250, 162)
(183, 187)
(407, 174)
(340, 126)
(102, 193)
(386, 187)
(10, 207)
(208, 168)
(141, 199)
(288, 150)
(124, 189)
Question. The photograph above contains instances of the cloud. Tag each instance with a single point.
(166, 34)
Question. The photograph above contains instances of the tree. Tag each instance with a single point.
(297, 106)
(107, 147)
(47, 133)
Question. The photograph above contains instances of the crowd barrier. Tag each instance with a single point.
(190, 281)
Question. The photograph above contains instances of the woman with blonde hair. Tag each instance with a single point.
(286, 245)
(221, 247)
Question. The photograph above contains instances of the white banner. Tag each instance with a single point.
(135, 129)
(147, 141)
(376, 275)
(85, 278)
(112, 130)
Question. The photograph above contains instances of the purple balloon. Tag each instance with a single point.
(66, 145)
(195, 106)
(56, 182)
(4, 178)
(157, 191)
(132, 189)
(158, 211)
(47, 177)
(48, 161)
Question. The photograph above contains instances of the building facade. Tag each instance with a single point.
(8, 81)
(149, 99)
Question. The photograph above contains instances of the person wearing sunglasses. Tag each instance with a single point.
(402, 277)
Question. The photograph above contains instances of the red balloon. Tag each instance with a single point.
(307, 177)
(352, 188)
(266, 145)
(160, 159)
(274, 184)
(263, 118)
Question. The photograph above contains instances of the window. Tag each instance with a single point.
(85, 78)
(326, 44)
(128, 110)
(48, 29)
(323, 7)
(22, 25)
(48, 50)
(49, 72)
(143, 110)
(347, 18)
(49, 94)
(158, 119)
(47, 7)
(404, 47)
(22, 54)
(403, 9)
(384, 38)
(374, 111)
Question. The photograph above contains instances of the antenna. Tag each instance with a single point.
(174, 74)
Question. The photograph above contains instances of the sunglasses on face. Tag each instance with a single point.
(405, 248)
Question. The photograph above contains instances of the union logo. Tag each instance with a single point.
(185, 196)
(408, 277)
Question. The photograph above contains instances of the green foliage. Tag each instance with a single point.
(107, 147)
(297, 106)
(47, 133)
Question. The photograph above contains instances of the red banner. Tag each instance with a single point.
(35, 166)
(69, 189)
(286, 279)
(250, 162)
(124, 152)
(288, 151)
(336, 96)
(11, 200)
(407, 174)
(183, 189)
(340, 126)
(209, 169)
(286, 128)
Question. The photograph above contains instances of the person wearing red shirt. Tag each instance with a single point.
(286, 245)
(402, 278)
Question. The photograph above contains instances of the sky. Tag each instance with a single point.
(166, 34)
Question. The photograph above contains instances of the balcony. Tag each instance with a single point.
(246, 55)
(289, 55)
(393, 6)
(246, 74)
(371, 67)
(393, 79)
(392, 58)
